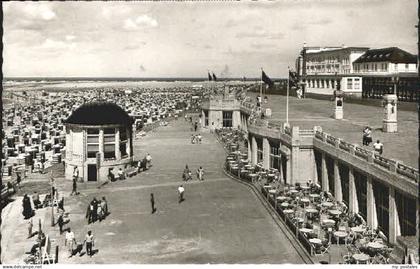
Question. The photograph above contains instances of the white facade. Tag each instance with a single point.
(384, 68)
(84, 141)
(326, 67)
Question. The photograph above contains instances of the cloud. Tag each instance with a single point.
(39, 11)
(70, 37)
(143, 21)
(323, 21)
(52, 45)
(260, 34)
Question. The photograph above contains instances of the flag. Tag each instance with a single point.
(267, 80)
(293, 80)
(214, 77)
(210, 79)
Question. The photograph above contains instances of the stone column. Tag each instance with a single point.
(117, 144)
(294, 156)
(266, 153)
(337, 182)
(249, 151)
(203, 118)
(394, 224)
(101, 144)
(128, 145)
(353, 203)
(288, 170)
(372, 221)
(254, 150)
(324, 173)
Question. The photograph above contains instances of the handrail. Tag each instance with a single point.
(389, 164)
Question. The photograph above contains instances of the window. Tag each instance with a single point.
(381, 193)
(109, 143)
(123, 149)
(349, 83)
(356, 84)
(406, 213)
(123, 134)
(275, 157)
(318, 162)
(330, 172)
(361, 190)
(395, 67)
(227, 118)
(92, 142)
(406, 67)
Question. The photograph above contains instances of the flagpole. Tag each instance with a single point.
(287, 97)
(261, 82)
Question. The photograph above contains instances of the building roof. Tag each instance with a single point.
(392, 54)
(321, 50)
(99, 113)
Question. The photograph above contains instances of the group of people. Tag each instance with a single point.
(196, 139)
(187, 174)
(72, 246)
(367, 139)
(97, 210)
(145, 163)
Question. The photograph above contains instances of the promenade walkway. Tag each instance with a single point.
(307, 113)
(221, 220)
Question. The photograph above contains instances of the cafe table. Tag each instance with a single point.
(375, 245)
(288, 211)
(315, 241)
(328, 222)
(281, 198)
(293, 191)
(284, 205)
(339, 234)
(305, 201)
(305, 188)
(252, 176)
(357, 229)
(314, 196)
(361, 258)
(327, 204)
(311, 211)
(305, 230)
(334, 212)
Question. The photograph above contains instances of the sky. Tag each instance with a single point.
(186, 39)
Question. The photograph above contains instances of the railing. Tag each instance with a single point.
(388, 164)
(408, 171)
(307, 132)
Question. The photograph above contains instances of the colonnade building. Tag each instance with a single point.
(98, 141)
(383, 191)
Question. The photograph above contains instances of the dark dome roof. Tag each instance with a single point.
(99, 113)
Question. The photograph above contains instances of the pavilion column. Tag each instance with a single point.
(371, 207)
(266, 153)
(128, 145)
(203, 118)
(249, 150)
(101, 144)
(324, 174)
(254, 151)
(353, 203)
(117, 144)
(288, 170)
(337, 182)
(394, 225)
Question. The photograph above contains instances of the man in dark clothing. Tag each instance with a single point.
(74, 189)
(95, 210)
(152, 202)
(195, 126)
(60, 222)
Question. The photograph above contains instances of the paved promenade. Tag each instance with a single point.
(221, 221)
(307, 113)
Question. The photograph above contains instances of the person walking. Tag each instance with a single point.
(94, 211)
(18, 179)
(89, 241)
(60, 221)
(75, 176)
(149, 160)
(378, 147)
(181, 191)
(70, 242)
(27, 207)
(200, 173)
(30, 226)
(152, 203)
(104, 206)
(89, 212)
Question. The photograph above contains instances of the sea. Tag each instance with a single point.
(63, 83)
